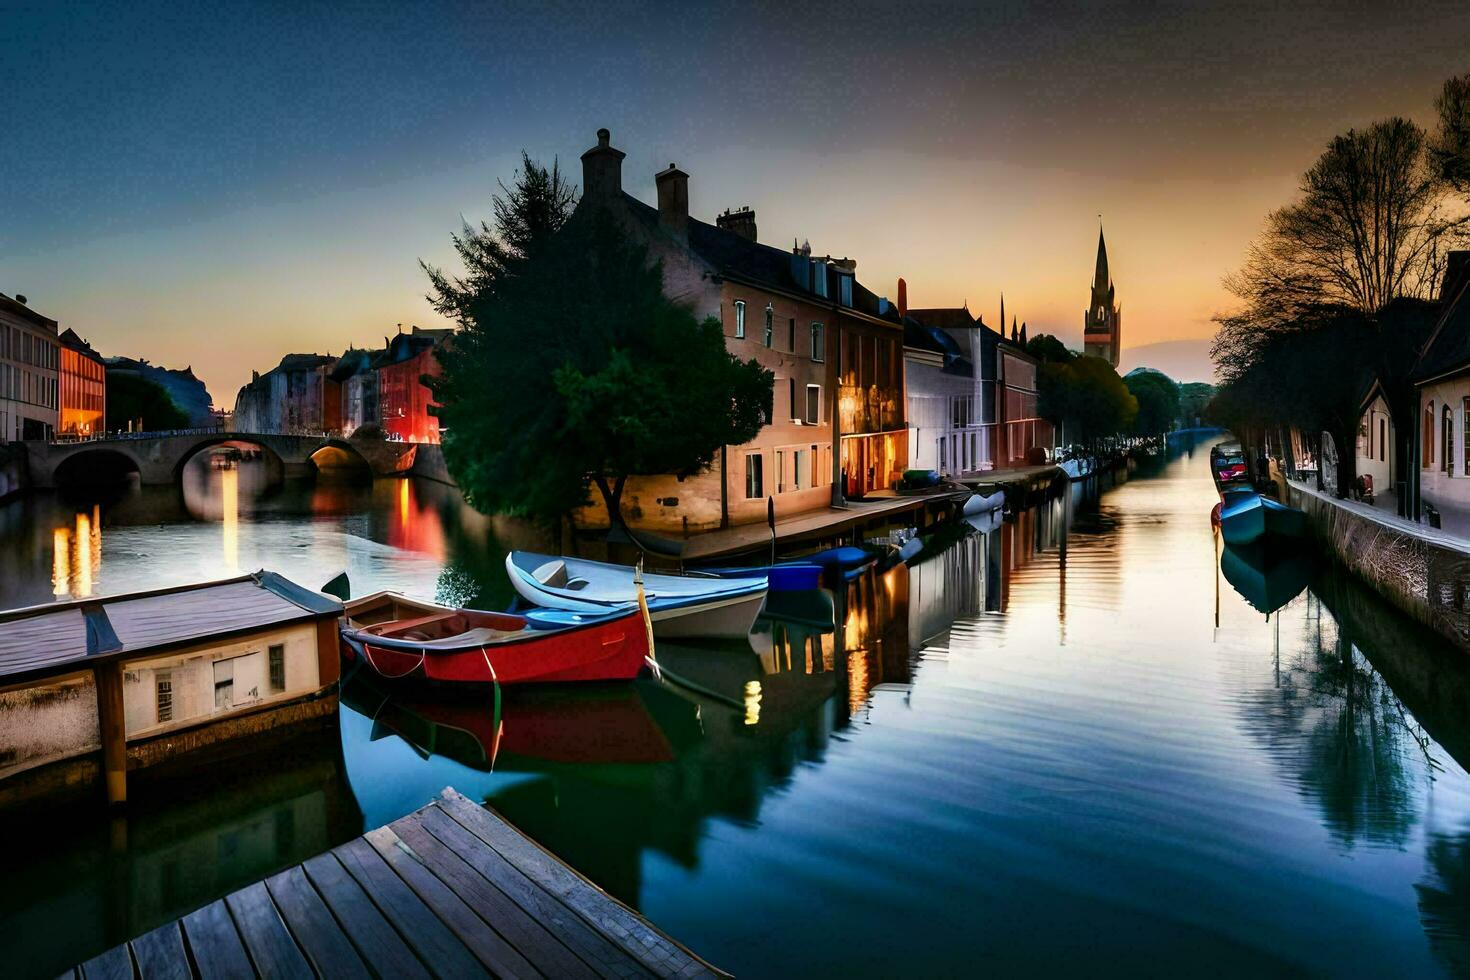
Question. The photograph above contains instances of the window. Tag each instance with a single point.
(1426, 438)
(942, 464)
(780, 471)
(1383, 434)
(819, 342)
(276, 656)
(791, 334)
(791, 399)
(224, 684)
(1447, 455)
(816, 473)
(802, 478)
(813, 404)
(755, 483)
(768, 326)
(740, 318)
(164, 690)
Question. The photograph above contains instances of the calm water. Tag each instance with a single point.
(1066, 745)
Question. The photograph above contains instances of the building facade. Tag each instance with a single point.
(803, 318)
(1376, 440)
(83, 395)
(405, 403)
(950, 381)
(1102, 322)
(1442, 378)
(358, 378)
(30, 361)
(296, 396)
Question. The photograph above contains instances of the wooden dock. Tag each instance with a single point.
(451, 890)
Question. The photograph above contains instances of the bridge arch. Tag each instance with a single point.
(340, 457)
(276, 465)
(102, 466)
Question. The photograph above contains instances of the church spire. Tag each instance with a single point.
(1100, 280)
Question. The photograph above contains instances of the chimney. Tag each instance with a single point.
(673, 200)
(741, 222)
(602, 169)
(20, 298)
(903, 298)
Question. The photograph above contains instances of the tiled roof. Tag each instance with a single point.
(17, 308)
(736, 255)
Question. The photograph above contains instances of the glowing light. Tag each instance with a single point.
(230, 510)
(83, 569)
(60, 561)
(403, 501)
(752, 702)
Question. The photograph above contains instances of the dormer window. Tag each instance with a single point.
(740, 318)
(845, 298)
(819, 279)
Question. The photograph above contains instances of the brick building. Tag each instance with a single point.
(30, 358)
(83, 384)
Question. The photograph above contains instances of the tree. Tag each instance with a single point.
(531, 210)
(575, 370)
(1158, 401)
(1370, 226)
(1193, 397)
(1048, 349)
(137, 400)
(1449, 153)
(1087, 398)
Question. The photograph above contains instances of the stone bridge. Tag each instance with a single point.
(159, 458)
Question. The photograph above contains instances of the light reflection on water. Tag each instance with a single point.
(1065, 745)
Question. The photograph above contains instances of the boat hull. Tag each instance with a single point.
(1251, 519)
(610, 650)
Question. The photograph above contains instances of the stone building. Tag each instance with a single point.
(804, 318)
(296, 396)
(1102, 322)
(30, 360)
(83, 382)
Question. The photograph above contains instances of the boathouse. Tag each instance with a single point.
(98, 687)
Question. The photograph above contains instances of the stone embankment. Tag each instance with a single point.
(1423, 571)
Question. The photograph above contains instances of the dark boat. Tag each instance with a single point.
(1266, 581)
(1228, 468)
(403, 639)
(1246, 517)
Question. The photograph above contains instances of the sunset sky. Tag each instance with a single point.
(217, 188)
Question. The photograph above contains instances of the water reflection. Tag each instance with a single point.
(1040, 747)
(232, 514)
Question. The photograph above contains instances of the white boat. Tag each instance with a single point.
(983, 503)
(1077, 467)
(694, 605)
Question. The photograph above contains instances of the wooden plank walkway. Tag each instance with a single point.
(451, 890)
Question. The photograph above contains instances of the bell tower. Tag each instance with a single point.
(1102, 322)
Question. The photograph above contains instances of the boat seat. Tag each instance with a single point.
(480, 635)
(554, 575)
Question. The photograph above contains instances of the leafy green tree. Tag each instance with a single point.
(134, 399)
(1087, 398)
(1158, 401)
(1193, 397)
(575, 370)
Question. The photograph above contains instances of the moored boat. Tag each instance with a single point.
(403, 639)
(695, 605)
(1246, 517)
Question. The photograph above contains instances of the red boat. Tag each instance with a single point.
(402, 639)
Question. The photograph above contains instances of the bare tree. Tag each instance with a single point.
(1371, 226)
(1449, 152)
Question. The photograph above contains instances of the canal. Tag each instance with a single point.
(1070, 744)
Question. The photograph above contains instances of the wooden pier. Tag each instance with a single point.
(451, 890)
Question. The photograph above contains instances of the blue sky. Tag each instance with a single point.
(217, 185)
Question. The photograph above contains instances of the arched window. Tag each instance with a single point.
(1426, 438)
(1447, 441)
(1383, 439)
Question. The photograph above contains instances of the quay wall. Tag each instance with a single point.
(14, 476)
(1424, 573)
(428, 464)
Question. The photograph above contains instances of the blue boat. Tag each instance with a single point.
(796, 576)
(1246, 517)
